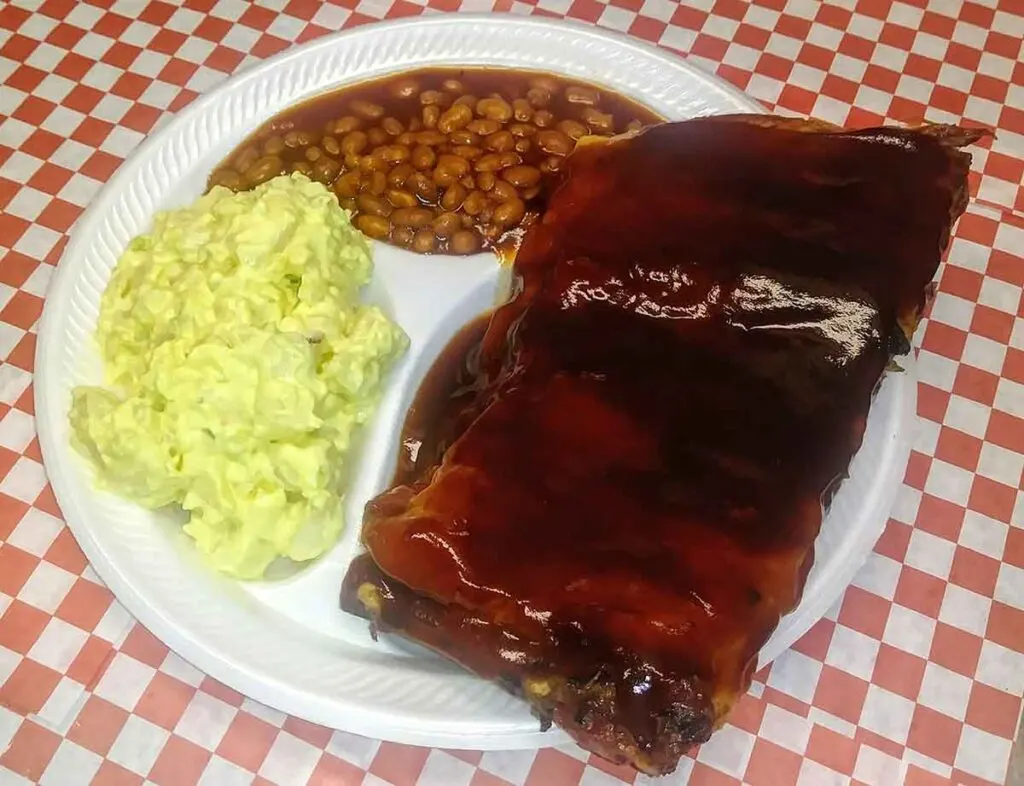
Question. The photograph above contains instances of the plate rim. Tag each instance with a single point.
(264, 687)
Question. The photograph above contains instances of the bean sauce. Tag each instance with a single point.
(439, 160)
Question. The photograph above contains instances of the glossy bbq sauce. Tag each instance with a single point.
(706, 309)
(433, 418)
(443, 405)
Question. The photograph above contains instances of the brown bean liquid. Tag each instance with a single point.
(439, 160)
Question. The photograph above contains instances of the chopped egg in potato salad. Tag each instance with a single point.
(239, 365)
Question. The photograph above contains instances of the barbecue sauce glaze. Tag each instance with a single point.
(635, 451)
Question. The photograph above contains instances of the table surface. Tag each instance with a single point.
(915, 677)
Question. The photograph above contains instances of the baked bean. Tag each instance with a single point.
(322, 171)
(455, 118)
(531, 193)
(325, 170)
(463, 137)
(446, 224)
(347, 124)
(543, 119)
(494, 108)
(354, 142)
(402, 236)
(485, 180)
(468, 182)
(415, 124)
(493, 162)
(400, 198)
(367, 109)
(521, 130)
(424, 242)
(465, 241)
(444, 177)
(522, 176)
(544, 82)
(582, 95)
(599, 121)
(509, 214)
(369, 204)
(376, 227)
(299, 138)
(350, 160)
(554, 143)
(510, 159)
(415, 217)
(263, 169)
(423, 186)
(431, 97)
(475, 202)
(407, 138)
(500, 141)
(398, 176)
(377, 137)
(466, 100)
(431, 114)
(405, 88)
(348, 204)
(454, 164)
(431, 138)
(483, 127)
(538, 97)
(453, 197)
(372, 163)
(247, 158)
(468, 152)
(392, 126)
(453, 86)
(228, 178)
(523, 145)
(374, 183)
(330, 144)
(313, 154)
(550, 165)
(347, 186)
(423, 157)
(394, 154)
(522, 110)
(573, 129)
(273, 146)
(503, 191)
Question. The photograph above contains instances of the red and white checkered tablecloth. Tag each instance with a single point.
(915, 677)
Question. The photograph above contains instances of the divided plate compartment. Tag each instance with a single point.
(286, 643)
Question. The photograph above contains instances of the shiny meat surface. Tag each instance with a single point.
(623, 496)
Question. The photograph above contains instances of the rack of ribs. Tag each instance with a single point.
(619, 496)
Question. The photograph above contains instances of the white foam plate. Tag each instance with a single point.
(286, 643)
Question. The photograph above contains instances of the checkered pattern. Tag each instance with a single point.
(915, 677)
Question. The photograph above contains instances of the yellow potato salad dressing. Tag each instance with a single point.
(239, 365)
